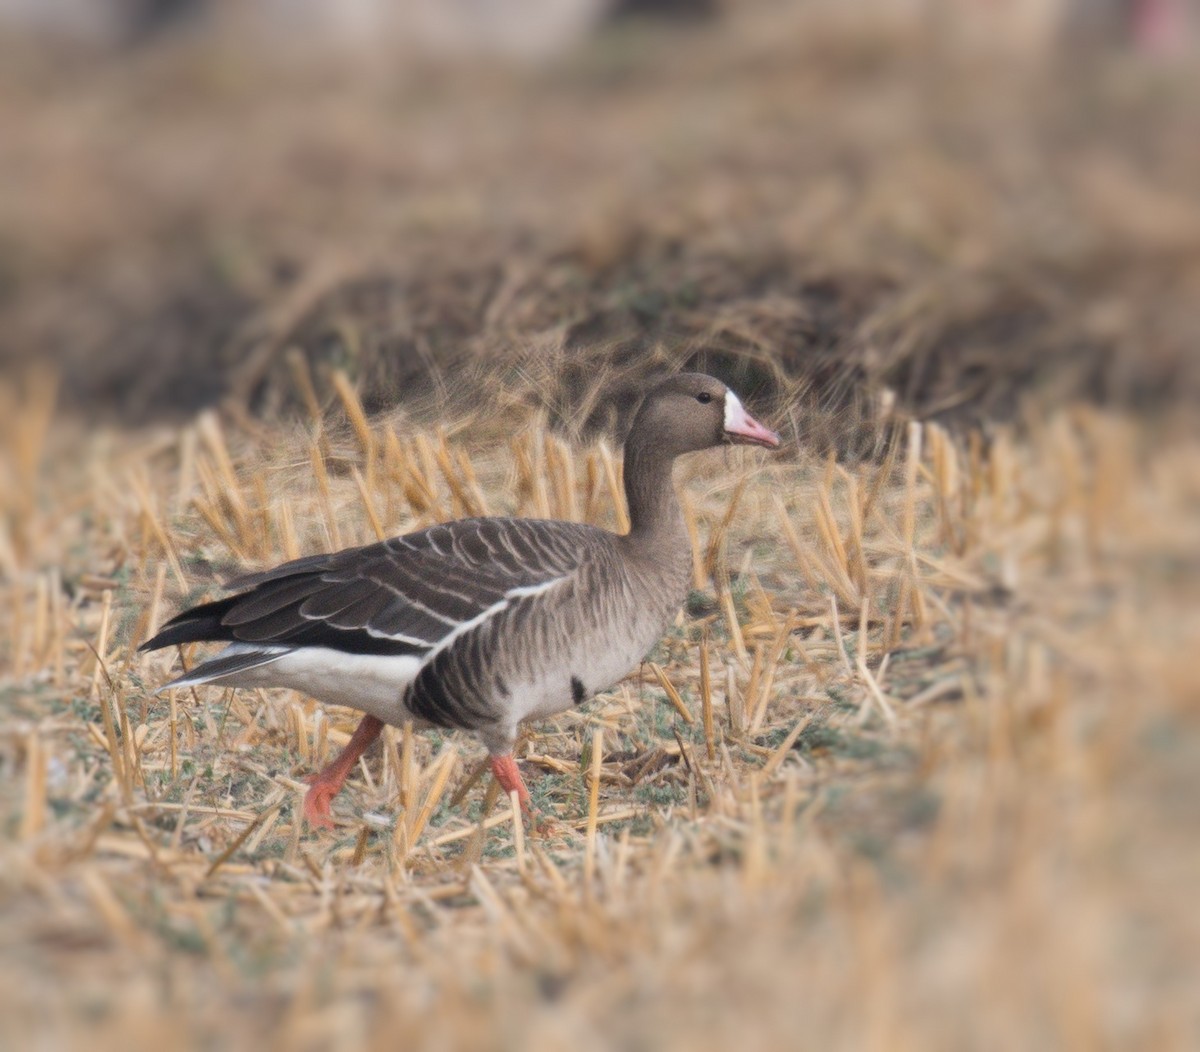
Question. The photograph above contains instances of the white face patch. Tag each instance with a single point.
(742, 428)
(735, 412)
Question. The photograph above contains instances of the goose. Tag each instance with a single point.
(478, 624)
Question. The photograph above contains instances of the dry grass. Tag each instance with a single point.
(916, 768)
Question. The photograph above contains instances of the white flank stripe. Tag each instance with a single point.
(465, 626)
(534, 589)
(398, 637)
(502, 604)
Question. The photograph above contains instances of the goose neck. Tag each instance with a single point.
(654, 514)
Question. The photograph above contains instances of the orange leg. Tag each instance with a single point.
(327, 783)
(508, 775)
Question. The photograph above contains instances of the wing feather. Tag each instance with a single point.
(265, 601)
(408, 595)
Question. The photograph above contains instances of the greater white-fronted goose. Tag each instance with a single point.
(481, 623)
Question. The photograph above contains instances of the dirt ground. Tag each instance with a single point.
(916, 768)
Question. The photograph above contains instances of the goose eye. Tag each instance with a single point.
(704, 397)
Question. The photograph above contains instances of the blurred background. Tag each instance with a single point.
(933, 208)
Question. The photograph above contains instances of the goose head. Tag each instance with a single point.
(691, 411)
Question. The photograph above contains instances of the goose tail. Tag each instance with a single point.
(231, 662)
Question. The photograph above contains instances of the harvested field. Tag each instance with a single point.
(916, 767)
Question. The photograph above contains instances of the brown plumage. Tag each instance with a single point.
(482, 623)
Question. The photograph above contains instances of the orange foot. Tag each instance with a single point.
(318, 811)
(543, 826)
(328, 782)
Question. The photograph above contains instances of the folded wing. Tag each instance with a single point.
(407, 596)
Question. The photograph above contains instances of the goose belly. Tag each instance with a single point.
(588, 664)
